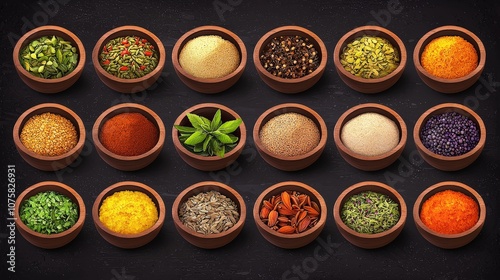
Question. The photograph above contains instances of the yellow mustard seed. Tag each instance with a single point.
(128, 212)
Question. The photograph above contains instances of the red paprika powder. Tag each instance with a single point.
(129, 134)
(449, 212)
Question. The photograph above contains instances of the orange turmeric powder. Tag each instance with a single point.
(449, 212)
(449, 57)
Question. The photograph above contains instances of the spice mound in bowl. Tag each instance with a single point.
(49, 214)
(49, 136)
(370, 59)
(449, 214)
(290, 214)
(449, 136)
(128, 136)
(209, 59)
(129, 59)
(49, 59)
(128, 214)
(449, 59)
(370, 136)
(290, 136)
(370, 214)
(209, 214)
(290, 59)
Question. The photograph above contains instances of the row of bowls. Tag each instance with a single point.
(279, 84)
(288, 241)
(362, 162)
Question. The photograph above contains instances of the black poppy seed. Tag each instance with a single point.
(450, 134)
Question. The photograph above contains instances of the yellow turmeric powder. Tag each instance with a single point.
(449, 57)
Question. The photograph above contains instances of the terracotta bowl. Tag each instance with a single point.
(366, 240)
(49, 163)
(449, 163)
(364, 85)
(129, 241)
(288, 163)
(449, 85)
(49, 85)
(290, 85)
(209, 241)
(129, 85)
(50, 241)
(210, 163)
(214, 85)
(294, 240)
(363, 162)
(449, 241)
(128, 163)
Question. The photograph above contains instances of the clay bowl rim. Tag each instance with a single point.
(45, 31)
(448, 30)
(209, 30)
(206, 186)
(122, 186)
(178, 145)
(370, 30)
(281, 109)
(49, 107)
(277, 189)
(39, 187)
(290, 30)
(360, 187)
(125, 108)
(127, 30)
(370, 108)
(447, 185)
(449, 107)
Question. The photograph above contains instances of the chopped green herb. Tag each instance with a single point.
(370, 212)
(49, 212)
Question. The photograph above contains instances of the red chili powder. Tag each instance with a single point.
(449, 212)
(129, 134)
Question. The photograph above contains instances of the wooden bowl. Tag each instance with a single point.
(50, 241)
(449, 241)
(294, 240)
(290, 163)
(364, 85)
(128, 163)
(129, 241)
(129, 85)
(290, 85)
(366, 240)
(204, 85)
(449, 85)
(210, 163)
(209, 241)
(449, 163)
(49, 85)
(363, 162)
(49, 163)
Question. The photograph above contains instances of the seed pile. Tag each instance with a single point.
(370, 212)
(450, 134)
(49, 58)
(49, 134)
(290, 57)
(449, 212)
(290, 134)
(370, 134)
(449, 57)
(209, 57)
(128, 212)
(209, 213)
(370, 57)
(290, 212)
(128, 57)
